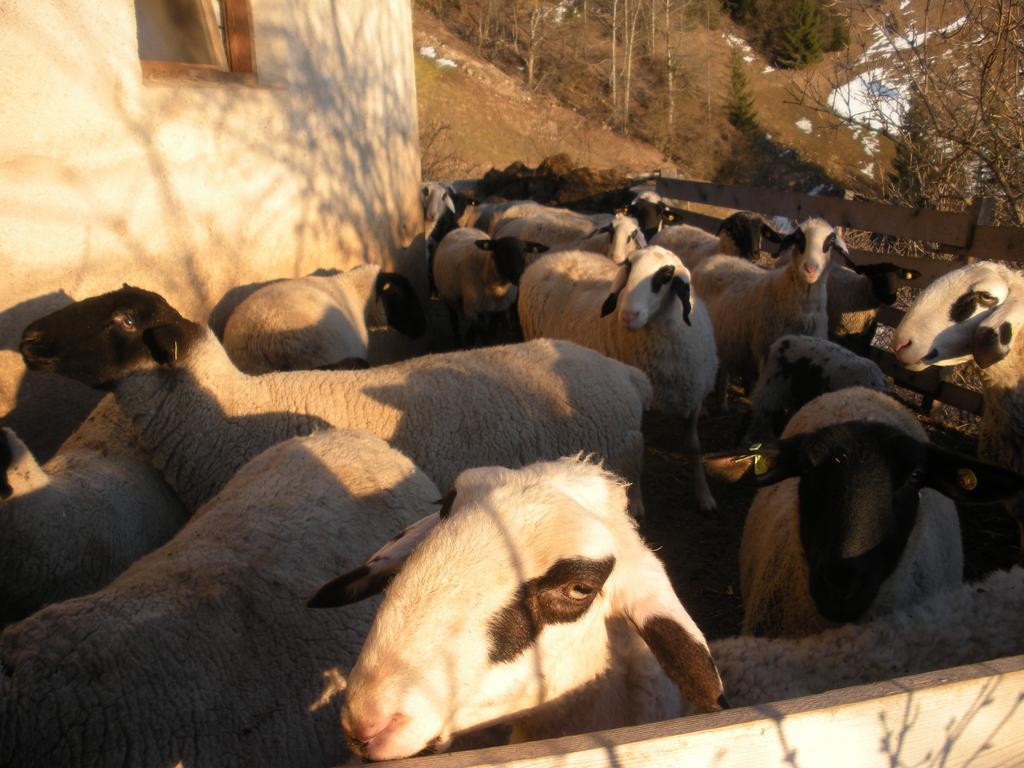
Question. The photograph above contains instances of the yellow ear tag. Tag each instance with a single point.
(761, 462)
(908, 275)
(967, 479)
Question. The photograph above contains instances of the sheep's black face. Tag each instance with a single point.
(402, 306)
(99, 340)
(647, 215)
(859, 485)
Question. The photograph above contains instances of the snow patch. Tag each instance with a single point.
(868, 169)
(804, 125)
(768, 69)
(428, 52)
(446, 63)
(873, 98)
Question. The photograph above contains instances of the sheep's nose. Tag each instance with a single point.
(363, 727)
(628, 317)
(903, 351)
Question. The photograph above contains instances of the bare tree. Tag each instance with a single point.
(965, 80)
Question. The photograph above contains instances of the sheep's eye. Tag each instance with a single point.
(125, 321)
(578, 591)
(917, 477)
(986, 299)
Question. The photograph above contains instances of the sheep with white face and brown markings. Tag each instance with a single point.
(751, 307)
(975, 314)
(641, 312)
(531, 601)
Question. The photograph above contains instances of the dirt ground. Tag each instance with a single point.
(702, 554)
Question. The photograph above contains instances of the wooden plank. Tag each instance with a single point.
(909, 223)
(971, 715)
(1001, 243)
(239, 36)
(154, 71)
(930, 382)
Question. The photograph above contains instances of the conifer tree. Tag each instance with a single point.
(800, 44)
(740, 105)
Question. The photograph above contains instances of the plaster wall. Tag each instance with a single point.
(192, 189)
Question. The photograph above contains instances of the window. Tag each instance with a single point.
(196, 39)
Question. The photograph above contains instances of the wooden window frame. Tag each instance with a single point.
(240, 49)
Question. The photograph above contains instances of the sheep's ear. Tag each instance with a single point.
(621, 278)
(605, 230)
(681, 288)
(764, 463)
(20, 473)
(402, 308)
(529, 247)
(839, 246)
(171, 342)
(449, 203)
(375, 574)
(969, 480)
(6, 459)
(637, 237)
(647, 599)
(795, 239)
(485, 245)
(770, 233)
(993, 338)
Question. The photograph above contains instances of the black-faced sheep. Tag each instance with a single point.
(203, 418)
(853, 519)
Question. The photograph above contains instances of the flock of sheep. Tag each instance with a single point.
(155, 573)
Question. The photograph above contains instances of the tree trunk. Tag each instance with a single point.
(670, 77)
(613, 79)
(631, 21)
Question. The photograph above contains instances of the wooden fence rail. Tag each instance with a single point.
(964, 716)
(966, 236)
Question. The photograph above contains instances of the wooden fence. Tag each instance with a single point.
(950, 240)
(964, 716)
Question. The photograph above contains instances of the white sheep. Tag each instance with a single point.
(203, 418)
(799, 369)
(203, 652)
(531, 599)
(891, 535)
(751, 307)
(971, 624)
(974, 313)
(740, 234)
(660, 327)
(438, 201)
(558, 228)
(319, 322)
(71, 525)
(477, 276)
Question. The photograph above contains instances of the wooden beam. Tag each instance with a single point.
(971, 715)
(909, 223)
(1002, 243)
(929, 382)
(238, 34)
